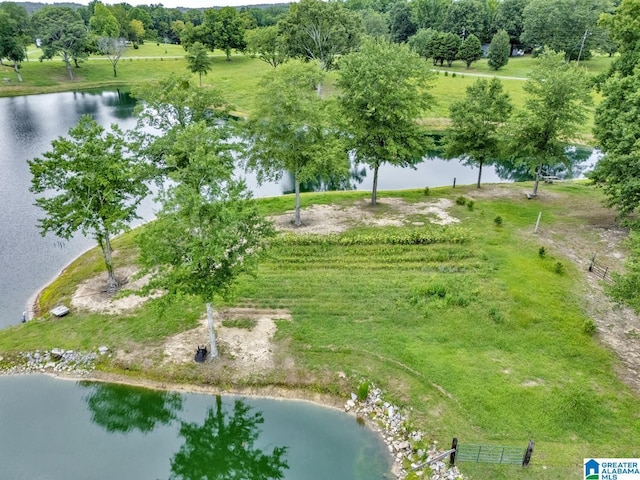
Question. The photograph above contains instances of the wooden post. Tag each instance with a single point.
(593, 262)
(454, 182)
(528, 453)
(538, 222)
(454, 447)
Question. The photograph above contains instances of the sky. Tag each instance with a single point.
(179, 3)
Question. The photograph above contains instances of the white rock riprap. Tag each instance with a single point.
(56, 360)
(405, 445)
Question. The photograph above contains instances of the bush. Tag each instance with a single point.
(426, 191)
(558, 268)
(498, 221)
(454, 75)
(446, 74)
(461, 201)
(470, 204)
(589, 327)
(363, 390)
(542, 252)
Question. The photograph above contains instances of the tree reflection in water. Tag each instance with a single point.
(223, 448)
(121, 408)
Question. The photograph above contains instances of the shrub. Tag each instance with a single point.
(542, 252)
(426, 191)
(589, 327)
(470, 204)
(454, 75)
(498, 221)
(363, 390)
(558, 268)
(461, 201)
(446, 74)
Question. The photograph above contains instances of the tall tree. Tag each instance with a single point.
(429, 13)
(384, 92)
(508, 17)
(375, 24)
(470, 50)
(317, 30)
(208, 230)
(11, 45)
(97, 183)
(103, 23)
(563, 26)
(198, 61)
(617, 128)
(292, 130)
(558, 96)
(266, 43)
(401, 26)
(466, 17)
(62, 32)
(498, 54)
(424, 43)
(446, 47)
(224, 29)
(624, 28)
(473, 135)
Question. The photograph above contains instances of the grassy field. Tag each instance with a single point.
(477, 334)
(239, 78)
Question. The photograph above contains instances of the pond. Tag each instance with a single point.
(58, 430)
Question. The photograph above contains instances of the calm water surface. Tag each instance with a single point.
(59, 430)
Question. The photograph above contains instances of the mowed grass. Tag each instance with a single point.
(238, 79)
(482, 340)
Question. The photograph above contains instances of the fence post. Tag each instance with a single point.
(454, 182)
(454, 447)
(593, 262)
(528, 453)
(538, 222)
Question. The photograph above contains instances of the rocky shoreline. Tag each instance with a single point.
(406, 446)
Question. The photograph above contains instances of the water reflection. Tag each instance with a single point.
(119, 408)
(223, 448)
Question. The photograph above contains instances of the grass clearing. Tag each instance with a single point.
(482, 339)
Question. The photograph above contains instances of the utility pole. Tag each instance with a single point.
(584, 38)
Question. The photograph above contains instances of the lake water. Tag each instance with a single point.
(60, 430)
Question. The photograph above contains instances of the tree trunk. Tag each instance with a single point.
(538, 174)
(67, 64)
(107, 253)
(115, 74)
(16, 67)
(480, 172)
(228, 52)
(200, 74)
(374, 192)
(212, 332)
(297, 214)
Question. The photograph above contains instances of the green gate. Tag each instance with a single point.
(490, 454)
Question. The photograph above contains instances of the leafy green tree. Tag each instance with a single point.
(384, 92)
(62, 32)
(317, 30)
(11, 46)
(223, 448)
(474, 134)
(508, 17)
(224, 29)
(563, 26)
(97, 183)
(466, 17)
(375, 24)
(617, 128)
(103, 23)
(423, 43)
(446, 47)
(198, 61)
(470, 50)
(292, 129)
(209, 230)
(113, 49)
(401, 27)
(136, 31)
(170, 106)
(558, 97)
(624, 28)
(266, 43)
(429, 13)
(498, 54)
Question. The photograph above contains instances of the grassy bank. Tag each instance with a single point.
(239, 78)
(476, 333)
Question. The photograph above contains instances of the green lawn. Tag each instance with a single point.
(481, 339)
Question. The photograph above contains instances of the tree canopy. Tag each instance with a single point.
(384, 92)
(470, 50)
(198, 61)
(498, 54)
